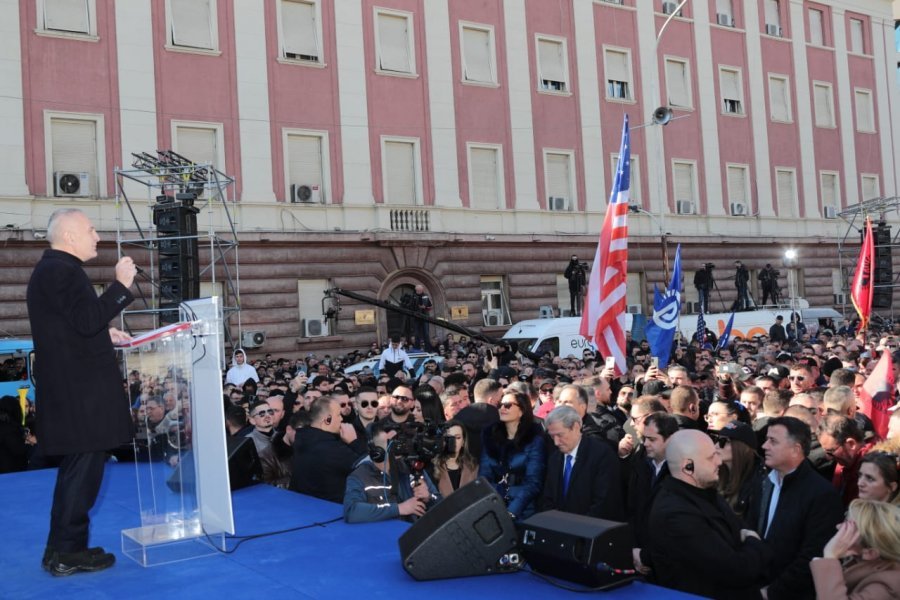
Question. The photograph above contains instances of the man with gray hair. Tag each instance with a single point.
(582, 472)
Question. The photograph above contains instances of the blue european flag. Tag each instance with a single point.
(660, 331)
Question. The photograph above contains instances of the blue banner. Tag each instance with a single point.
(661, 329)
(726, 335)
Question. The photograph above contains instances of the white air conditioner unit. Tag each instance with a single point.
(67, 184)
(684, 207)
(253, 339)
(493, 317)
(315, 327)
(305, 194)
(773, 30)
(669, 7)
(558, 203)
(693, 307)
(634, 309)
(840, 299)
(738, 209)
(724, 20)
(545, 311)
(830, 212)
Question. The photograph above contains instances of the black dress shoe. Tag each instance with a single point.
(48, 555)
(63, 564)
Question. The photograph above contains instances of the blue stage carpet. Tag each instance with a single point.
(334, 561)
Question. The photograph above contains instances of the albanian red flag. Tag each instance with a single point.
(863, 287)
(877, 395)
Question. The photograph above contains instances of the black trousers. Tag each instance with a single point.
(77, 485)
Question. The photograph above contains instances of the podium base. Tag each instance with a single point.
(166, 543)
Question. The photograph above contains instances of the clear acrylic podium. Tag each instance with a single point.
(181, 460)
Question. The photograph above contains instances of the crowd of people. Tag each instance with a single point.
(743, 472)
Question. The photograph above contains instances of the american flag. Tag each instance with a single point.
(603, 318)
(701, 329)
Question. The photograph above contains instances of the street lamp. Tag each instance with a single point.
(790, 260)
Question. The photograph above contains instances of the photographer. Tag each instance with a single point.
(371, 495)
(703, 281)
(576, 273)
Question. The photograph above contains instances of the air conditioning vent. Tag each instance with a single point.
(315, 327)
(669, 7)
(253, 339)
(773, 30)
(724, 20)
(840, 299)
(492, 318)
(738, 209)
(558, 203)
(305, 194)
(634, 309)
(830, 212)
(684, 207)
(67, 184)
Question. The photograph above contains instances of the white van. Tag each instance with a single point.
(756, 322)
(559, 336)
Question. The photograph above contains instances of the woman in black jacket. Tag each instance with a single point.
(742, 469)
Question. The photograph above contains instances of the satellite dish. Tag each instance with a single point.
(662, 115)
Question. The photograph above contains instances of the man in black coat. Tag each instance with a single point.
(582, 472)
(325, 453)
(796, 512)
(82, 408)
(697, 544)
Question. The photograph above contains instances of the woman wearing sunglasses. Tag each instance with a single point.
(862, 560)
(512, 456)
(742, 470)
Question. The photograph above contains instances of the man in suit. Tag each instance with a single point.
(83, 408)
(582, 472)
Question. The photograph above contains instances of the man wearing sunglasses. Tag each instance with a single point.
(366, 403)
(262, 418)
(402, 401)
(801, 378)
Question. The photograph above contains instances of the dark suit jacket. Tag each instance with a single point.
(79, 388)
(594, 486)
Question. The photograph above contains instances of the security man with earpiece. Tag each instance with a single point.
(373, 495)
(697, 544)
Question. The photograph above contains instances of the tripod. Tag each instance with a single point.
(715, 286)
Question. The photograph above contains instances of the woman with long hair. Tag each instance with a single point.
(457, 467)
(862, 560)
(879, 477)
(512, 456)
(432, 409)
(741, 469)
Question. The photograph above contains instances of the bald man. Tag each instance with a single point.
(697, 544)
(83, 408)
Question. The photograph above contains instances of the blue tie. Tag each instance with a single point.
(567, 474)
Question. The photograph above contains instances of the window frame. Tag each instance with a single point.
(218, 127)
(634, 176)
(747, 200)
(833, 121)
(837, 189)
(213, 32)
(824, 41)
(502, 293)
(688, 84)
(410, 41)
(795, 200)
(573, 176)
(417, 168)
(739, 80)
(325, 153)
(320, 46)
(566, 89)
(876, 178)
(866, 92)
(695, 192)
(787, 97)
(862, 51)
(501, 184)
(629, 66)
(89, 36)
(99, 121)
(492, 45)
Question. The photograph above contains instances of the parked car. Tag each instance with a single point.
(418, 360)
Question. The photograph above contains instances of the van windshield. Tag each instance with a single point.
(524, 343)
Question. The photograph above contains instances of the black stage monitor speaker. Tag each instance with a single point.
(244, 468)
(577, 548)
(468, 533)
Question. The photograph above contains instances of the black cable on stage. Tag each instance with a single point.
(246, 538)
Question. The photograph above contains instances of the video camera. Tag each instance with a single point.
(709, 266)
(416, 444)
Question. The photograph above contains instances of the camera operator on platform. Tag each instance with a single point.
(768, 280)
(371, 494)
(576, 273)
(741, 283)
(703, 281)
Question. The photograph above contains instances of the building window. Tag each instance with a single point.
(865, 119)
(786, 182)
(773, 18)
(824, 104)
(732, 91)
(402, 176)
(301, 36)
(312, 322)
(67, 16)
(634, 191)
(485, 177)
(724, 13)
(478, 53)
(552, 65)
(816, 27)
(634, 293)
(559, 180)
(857, 36)
(678, 83)
(394, 37)
(617, 65)
(685, 177)
(738, 192)
(75, 144)
(779, 99)
(870, 186)
(831, 193)
(192, 24)
(494, 303)
(306, 165)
